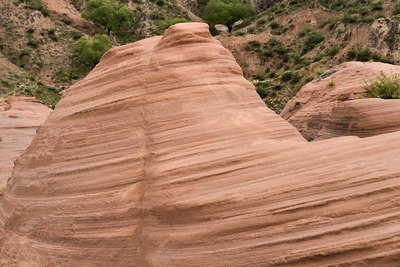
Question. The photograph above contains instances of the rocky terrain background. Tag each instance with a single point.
(283, 46)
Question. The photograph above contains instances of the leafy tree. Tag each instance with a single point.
(226, 12)
(113, 16)
(88, 51)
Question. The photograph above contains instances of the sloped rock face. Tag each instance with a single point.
(384, 36)
(165, 156)
(309, 110)
(19, 118)
(362, 118)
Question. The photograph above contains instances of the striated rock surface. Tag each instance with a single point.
(312, 105)
(19, 118)
(165, 156)
(362, 118)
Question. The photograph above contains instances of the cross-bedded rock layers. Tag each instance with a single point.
(165, 156)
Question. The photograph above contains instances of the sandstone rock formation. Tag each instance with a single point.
(165, 156)
(19, 118)
(310, 108)
(362, 118)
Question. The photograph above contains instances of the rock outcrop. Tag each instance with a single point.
(362, 118)
(19, 118)
(309, 110)
(165, 156)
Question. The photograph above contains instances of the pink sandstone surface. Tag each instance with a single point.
(164, 155)
(19, 118)
(362, 118)
(312, 105)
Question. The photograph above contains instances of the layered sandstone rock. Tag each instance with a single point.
(19, 118)
(310, 108)
(362, 118)
(165, 156)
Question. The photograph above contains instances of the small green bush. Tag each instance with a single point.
(34, 4)
(313, 38)
(32, 43)
(52, 34)
(30, 30)
(290, 76)
(165, 24)
(88, 51)
(66, 20)
(384, 87)
(396, 8)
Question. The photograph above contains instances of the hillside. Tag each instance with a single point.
(37, 39)
(295, 42)
(283, 46)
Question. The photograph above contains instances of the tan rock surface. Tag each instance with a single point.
(312, 105)
(362, 118)
(165, 156)
(19, 118)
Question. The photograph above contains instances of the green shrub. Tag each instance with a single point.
(88, 51)
(312, 40)
(76, 35)
(251, 45)
(34, 4)
(365, 55)
(5, 83)
(30, 30)
(32, 43)
(274, 25)
(165, 24)
(333, 51)
(66, 20)
(290, 76)
(52, 34)
(396, 8)
(384, 87)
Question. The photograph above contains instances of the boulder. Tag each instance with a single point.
(309, 109)
(221, 28)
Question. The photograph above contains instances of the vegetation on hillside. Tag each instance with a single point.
(113, 16)
(384, 86)
(89, 50)
(301, 40)
(288, 44)
(226, 12)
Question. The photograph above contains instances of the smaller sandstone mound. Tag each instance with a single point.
(362, 118)
(312, 105)
(19, 118)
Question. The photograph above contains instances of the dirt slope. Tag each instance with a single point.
(182, 165)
